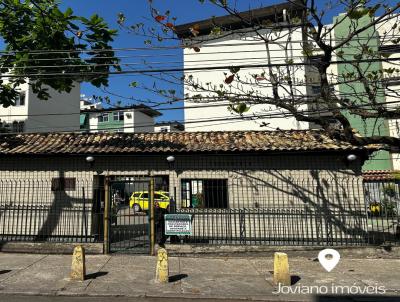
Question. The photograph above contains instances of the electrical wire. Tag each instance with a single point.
(278, 115)
(177, 69)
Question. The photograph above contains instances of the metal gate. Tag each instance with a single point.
(129, 212)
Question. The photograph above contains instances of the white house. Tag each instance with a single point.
(30, 114)
(211, 50)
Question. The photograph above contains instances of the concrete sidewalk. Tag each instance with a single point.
(201, 277)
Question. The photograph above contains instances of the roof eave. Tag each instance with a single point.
(233, 22)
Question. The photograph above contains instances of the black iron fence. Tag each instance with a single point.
(382, 200)
(331, 212)
(240, 210)
(55, 211)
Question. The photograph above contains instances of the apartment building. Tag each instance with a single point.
(216, 44)
(30, 114)
(138, 118)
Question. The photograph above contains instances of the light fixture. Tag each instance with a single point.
(351, 157)
(89, 159)
(171, 159)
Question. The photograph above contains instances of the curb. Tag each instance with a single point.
(271, 298)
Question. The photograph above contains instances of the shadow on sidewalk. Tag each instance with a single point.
(294, 279)
(178, 277)
(5, 271)
(95, 275)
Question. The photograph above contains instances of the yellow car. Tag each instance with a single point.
(139, 201)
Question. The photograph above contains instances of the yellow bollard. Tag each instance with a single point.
(162, 271)
(78, 270)
(281, 269)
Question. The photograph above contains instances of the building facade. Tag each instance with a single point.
(224, 42)
(273, 188)
(355, 91)
(139, 118)
(30, 114)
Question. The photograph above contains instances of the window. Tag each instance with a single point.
(164, 129)
(118, 116)
(160, 196)
(20, 101)
(316, 89)
(204, 193)
(102, 118)
(63, 184)
(17, 127)
(145, 195)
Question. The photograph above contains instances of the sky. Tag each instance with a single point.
(138, 11)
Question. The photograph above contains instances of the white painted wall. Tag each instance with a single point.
(239, 52)
(129, 121)
(90, 105)
(16, 113)
(168, 127)
(93, 122)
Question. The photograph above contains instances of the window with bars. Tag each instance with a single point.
(204, 193)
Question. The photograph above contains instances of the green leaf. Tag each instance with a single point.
(216, 31)
(357, 14)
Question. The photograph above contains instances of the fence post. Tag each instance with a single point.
(106, 216)
(152, 214)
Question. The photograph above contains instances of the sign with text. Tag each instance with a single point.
(178, 224)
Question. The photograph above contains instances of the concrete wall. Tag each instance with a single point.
(65, 105)
(243, 49)
(269, 189)
(142, 122)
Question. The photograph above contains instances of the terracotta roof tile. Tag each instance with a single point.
(123, 143)
(380, 175)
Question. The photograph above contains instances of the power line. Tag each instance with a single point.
(227, 103)
(223, 119)
(143, 71)
(154, 48)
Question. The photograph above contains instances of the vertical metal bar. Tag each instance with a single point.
(84, 215)
(106, 216)
(152, 214)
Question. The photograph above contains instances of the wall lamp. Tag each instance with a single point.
(90, 159)
(171, 161)
(351, 157)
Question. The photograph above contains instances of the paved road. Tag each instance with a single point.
(9, 298)
(18, 298)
